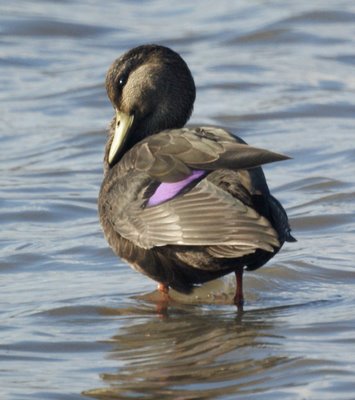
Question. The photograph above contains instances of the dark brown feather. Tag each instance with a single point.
(222, 221)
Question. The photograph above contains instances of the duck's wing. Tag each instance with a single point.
(179, 204)
(204, 216)
(171, 155)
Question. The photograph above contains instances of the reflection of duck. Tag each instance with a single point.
(183, 206)
(190, 353)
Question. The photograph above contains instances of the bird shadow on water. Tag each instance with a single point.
(195, 351)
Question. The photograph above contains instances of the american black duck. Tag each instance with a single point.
(181, 205)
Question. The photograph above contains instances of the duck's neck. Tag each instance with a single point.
(137, 133)
(153, 123)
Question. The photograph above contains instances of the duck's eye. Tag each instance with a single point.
(122, 81)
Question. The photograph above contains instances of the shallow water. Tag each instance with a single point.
(75, 320)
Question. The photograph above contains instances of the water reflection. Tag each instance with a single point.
(190, 355)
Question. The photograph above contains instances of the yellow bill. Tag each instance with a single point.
(123, 125)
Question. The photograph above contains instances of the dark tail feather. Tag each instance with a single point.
(290, 238)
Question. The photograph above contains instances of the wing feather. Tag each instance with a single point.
(205, 216)
(170, 155)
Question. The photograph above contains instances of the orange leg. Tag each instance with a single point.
(163, 288)
(239, 297)
(162, 305)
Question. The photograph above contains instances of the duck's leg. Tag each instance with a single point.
(163, 288)
(162, 305)
(239, 297)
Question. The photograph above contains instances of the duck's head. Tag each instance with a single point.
(151, 89)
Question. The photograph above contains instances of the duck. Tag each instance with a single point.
(181, 205)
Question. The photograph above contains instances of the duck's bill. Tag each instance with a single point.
(123, 125)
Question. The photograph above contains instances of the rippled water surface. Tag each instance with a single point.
(76, 322)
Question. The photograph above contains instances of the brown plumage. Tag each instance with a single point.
(181, 205)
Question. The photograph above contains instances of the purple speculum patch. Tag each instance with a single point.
(168, 190)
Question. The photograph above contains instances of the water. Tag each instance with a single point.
(75, 320)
